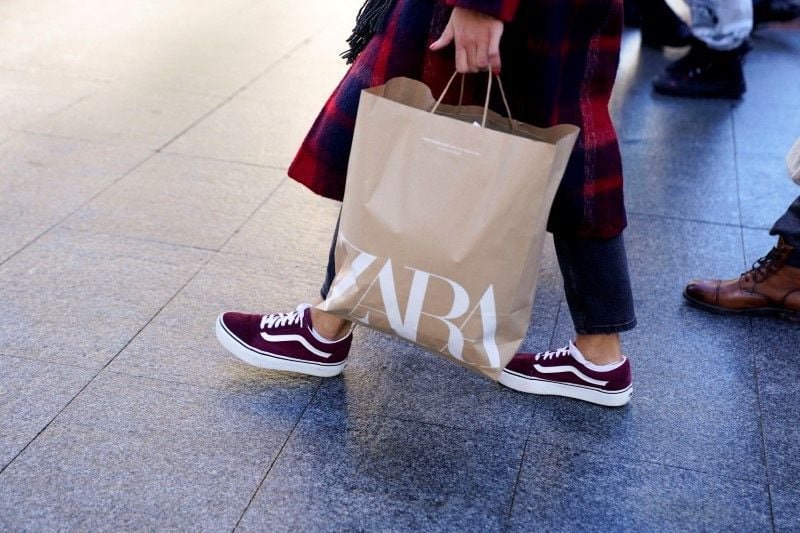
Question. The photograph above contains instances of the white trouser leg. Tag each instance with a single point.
(722, 24)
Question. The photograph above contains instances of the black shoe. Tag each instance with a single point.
(661, 26)
(678, 35)
(705, 73)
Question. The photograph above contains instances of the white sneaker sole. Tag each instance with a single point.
(531, 385)
(271, 361)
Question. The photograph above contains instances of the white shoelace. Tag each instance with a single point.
(283, 319)
(561, 352)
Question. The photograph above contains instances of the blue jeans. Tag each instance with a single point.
(596, 283)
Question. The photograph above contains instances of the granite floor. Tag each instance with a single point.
(143, 189)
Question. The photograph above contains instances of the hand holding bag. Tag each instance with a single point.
(443, 222)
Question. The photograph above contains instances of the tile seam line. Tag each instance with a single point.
(81, 206)
(135, 335)
(61, 221)
(275, 459)
(138, 238)
(630, 460)
(45, 361)
(223, 160)
(507, 526)
(249, 217)
(131, 146)
(261, 256)
(56, 71)
(684, 219)
(764, 456)
(362, 414)
(63, 108)
(528, 433)
(247, 84)
(478, 431)
(751, 327)
(100, 371)
(199, 386)
(738, 184)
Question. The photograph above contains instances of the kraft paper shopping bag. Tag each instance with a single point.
(443, 223)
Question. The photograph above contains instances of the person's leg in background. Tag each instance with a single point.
(713, 66)
(772, 286)
(659, 25)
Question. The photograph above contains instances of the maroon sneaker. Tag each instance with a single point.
(283, 341)
(565, 372)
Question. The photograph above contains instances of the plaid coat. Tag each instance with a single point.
(559, 63)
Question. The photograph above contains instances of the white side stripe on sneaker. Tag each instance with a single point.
(572, 369)
(285, 338)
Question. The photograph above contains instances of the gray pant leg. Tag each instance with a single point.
(722, 24)
(788, 227)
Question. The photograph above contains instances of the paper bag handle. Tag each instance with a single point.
(486, 103)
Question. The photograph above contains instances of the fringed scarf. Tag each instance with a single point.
(371, 20)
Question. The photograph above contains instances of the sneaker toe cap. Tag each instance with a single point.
(239, 324)
(521, 363)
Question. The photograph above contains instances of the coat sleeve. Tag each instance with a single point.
(499, 9)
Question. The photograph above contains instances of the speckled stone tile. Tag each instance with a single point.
(180, 345)
(365, 474)
(265, 132)
(31, 94)
(14, 236)
(43, 179)
(79, 298)
(31, 395)
(694, 180)
(767, 119)
(775, 345)
(786, 509)
(294, 223)
(694, 404)
(572, 490)
(663, 120)
(129, 116)
(179, 200)
(764, 186)
(266, 122)
(773, 58)
(664, 254)
(142, 455)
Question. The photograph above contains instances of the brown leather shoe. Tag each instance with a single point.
(771, 287)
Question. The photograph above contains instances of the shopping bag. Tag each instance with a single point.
(443, 222)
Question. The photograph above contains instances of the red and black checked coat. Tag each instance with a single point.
(559, 61)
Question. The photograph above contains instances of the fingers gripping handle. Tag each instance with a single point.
(486, 103)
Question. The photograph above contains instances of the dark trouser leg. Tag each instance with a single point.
(788, 227)
(597, 284)
(330, 272)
